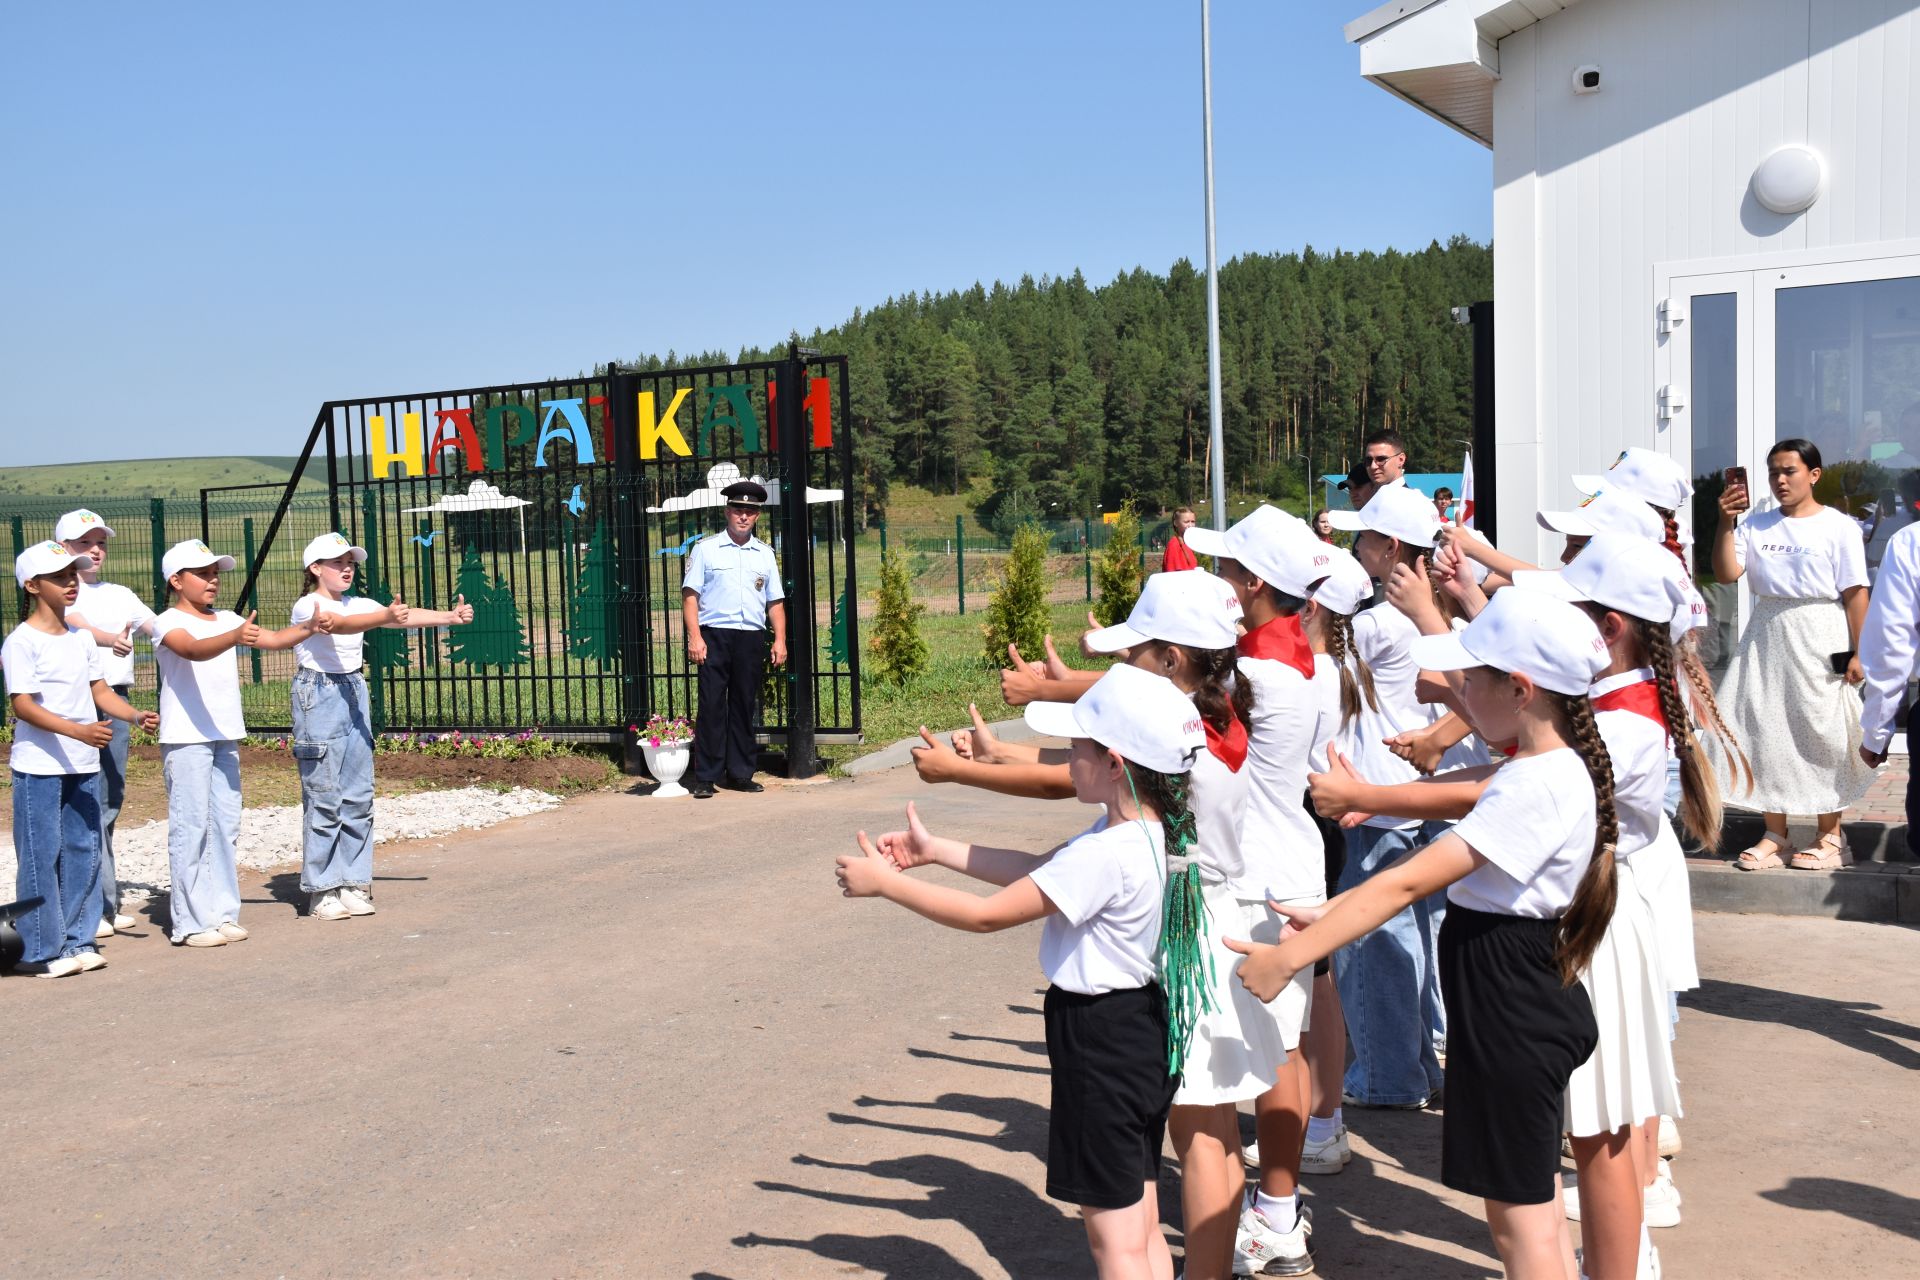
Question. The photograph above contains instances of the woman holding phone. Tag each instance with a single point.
(1794, 676)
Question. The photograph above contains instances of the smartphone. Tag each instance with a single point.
(1737, 476)
(1840, 661)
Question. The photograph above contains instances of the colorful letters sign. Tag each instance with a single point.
(565, 421)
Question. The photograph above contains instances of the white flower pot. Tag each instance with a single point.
(666, 763)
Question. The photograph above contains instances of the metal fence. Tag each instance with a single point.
(954, 564)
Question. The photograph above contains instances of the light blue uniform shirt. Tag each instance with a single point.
(735, 582)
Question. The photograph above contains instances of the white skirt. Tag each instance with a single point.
(1798, 722)
(1237, 1048)
(1629, 1076)
(1660, 872)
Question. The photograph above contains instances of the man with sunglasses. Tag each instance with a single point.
(729, 594)
(1385, 457)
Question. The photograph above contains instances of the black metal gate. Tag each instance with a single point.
(562, 512)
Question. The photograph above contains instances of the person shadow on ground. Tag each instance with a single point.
(1845, 1022)
(1875, 1206)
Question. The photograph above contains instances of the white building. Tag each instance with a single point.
(1644, 292)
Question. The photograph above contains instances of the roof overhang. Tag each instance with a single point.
(1443, 56)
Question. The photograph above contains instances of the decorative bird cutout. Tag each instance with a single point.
(427, 541)
(683, 548)
(575, 504)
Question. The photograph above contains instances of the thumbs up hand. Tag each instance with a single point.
(462, 611)
(123, 643)
(249, 630)
(861, 874)
(399, 612)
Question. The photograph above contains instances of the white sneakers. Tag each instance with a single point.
(58, 967)
(1330, 1156)
(103, 930)
(1669, 1138)
(357, 901)
(326, 905)
(89, 961)
(1261, 1249)
(231, 931)
(1660, 1204)
(205, 938)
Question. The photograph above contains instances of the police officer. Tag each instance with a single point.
(730, 592)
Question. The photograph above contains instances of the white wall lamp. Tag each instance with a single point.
(1790, 179)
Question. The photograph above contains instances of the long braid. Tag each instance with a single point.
(1672, 530)
(1587, 917)
(1709, 713)
(1700, 807)
(1356, 678)
(1186, 961)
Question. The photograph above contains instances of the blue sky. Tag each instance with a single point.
(221, 215)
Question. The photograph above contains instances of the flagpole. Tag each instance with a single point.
(1217, 454)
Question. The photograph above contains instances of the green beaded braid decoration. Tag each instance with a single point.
(1186, 962)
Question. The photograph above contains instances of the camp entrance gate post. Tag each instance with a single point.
(563, 510)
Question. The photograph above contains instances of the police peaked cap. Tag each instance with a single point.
(748, 492)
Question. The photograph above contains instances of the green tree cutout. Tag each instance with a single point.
(595, 630)
(494, 638)
(838, 648)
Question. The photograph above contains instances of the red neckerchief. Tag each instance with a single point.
(1642, 699)
(1281, 640)
(1230, 748)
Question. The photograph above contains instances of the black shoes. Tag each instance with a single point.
(747, 785)
(701, 790)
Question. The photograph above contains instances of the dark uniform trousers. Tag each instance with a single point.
(729, 685)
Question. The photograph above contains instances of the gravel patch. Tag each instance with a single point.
(270, 837)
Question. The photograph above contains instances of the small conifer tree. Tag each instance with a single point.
(1118, 573)
(899, 650)
(1019, 610)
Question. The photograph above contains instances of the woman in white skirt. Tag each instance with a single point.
(1793, 679)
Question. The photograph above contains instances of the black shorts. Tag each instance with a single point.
(1111, 1092)
(1514, 1037)
(1333, 851)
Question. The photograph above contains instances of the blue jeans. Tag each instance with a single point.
(203, 822)
(113, 790)
(333, 743)
(56, 840)
(1390, 982)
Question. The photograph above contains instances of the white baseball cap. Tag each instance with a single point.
(1641, 473)
(78, 524)
(192, 554)
(329, 546)
(1523, 632)
(41, 559)
(1692, 616)
(1346, 587)
(1188, 606)
(1607, 510)
(1396, 511)
(1637, 576)
(1281, 549)
(1143, 716)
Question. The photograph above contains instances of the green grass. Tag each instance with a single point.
(144, 477)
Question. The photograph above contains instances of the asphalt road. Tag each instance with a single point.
(648, 1038)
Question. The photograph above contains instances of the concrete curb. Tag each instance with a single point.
(901, 752)
(1880, 892)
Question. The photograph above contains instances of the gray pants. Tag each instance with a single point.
(203, 824)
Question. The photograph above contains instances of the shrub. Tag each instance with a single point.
(1018, 611)
(1118, 573)
(899, 650)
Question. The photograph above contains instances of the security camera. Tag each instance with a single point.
(1586, 80)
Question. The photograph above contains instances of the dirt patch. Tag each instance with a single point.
(270, 777)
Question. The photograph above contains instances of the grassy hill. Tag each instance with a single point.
(147, 477)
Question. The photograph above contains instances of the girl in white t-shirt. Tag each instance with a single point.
(111, 614)
(1794, 678)
(57, 692)
(1529, 877)
(333, 726)
(200, 730)
(1101, 895)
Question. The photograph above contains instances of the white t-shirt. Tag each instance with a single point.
(1218, 797)
(199, 701)
(1107, 887)
(1383, 639)
(1281, 847)
(58, 671)
(322, 652)
(1326, 692)
(1534, 826)
(1638, 748)
(1812, 557)
(110, 607)
(1468, 753)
